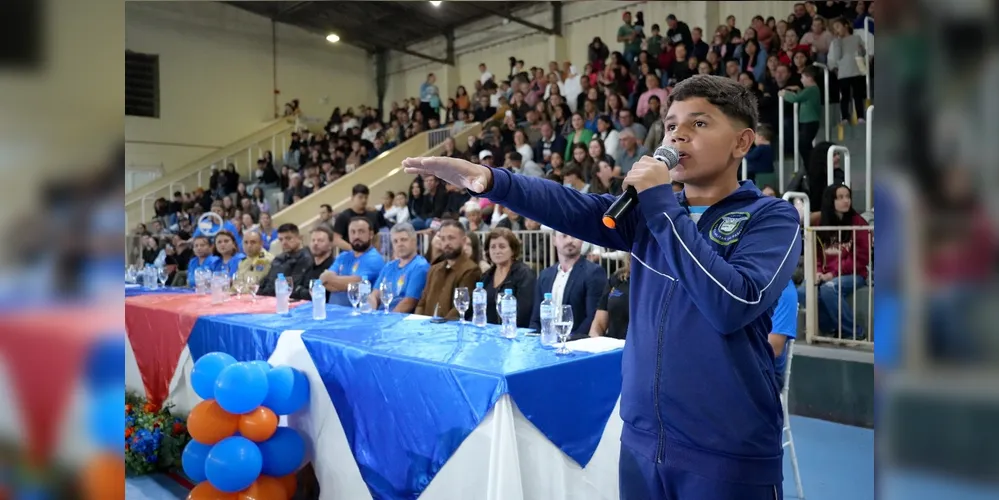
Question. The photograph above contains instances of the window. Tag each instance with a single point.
(142, 84)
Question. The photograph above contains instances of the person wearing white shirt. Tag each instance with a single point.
(571, 88)
(484, 74)
(607, 134)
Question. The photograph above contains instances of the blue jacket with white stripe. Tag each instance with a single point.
(699, 389)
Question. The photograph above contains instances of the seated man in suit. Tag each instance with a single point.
(574, 282)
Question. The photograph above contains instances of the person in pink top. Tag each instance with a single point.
(652, 82)
(841, 262)
(764, 34)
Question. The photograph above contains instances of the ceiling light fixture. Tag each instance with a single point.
(435, 4)
(332, 38)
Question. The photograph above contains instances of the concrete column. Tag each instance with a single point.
(558, 50)
(447, 81)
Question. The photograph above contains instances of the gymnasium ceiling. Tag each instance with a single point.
(386, 25)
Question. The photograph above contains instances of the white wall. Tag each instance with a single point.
(492, 40)
(217, 78)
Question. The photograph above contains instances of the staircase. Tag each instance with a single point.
(854, 138)
(242, 153)
(381, 174)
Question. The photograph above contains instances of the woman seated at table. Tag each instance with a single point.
(611, 319)
(229, 255)
(203, 258)
(507, 271)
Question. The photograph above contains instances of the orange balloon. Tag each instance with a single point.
(258, 425)
(290, 483)
(208, 423)
(205, 491)
(264, 488)
(104, 478)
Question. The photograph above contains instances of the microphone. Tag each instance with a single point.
(627, 201)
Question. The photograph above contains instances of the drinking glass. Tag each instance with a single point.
(387, 292)
(252, 284)
(162, 275)
(563, 326)
(354, 295)
(461, 300)
(239, 285)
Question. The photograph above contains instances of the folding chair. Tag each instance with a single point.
(786, 432)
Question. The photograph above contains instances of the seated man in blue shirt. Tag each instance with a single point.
(784, 328)
(760, 159)
(362, 262)
(407, 274)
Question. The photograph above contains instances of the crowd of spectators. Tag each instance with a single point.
(581, 127)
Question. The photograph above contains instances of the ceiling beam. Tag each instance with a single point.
(369, 40)
(505, 15)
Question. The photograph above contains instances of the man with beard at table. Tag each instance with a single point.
(362, 262)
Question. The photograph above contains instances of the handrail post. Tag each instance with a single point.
(811, 292)
(830, 162)
(780, 142)
(745, 169)
(825, 97)
(867, 55)
(868, 177)
(797, 139)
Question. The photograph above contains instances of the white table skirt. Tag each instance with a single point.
(504, 458)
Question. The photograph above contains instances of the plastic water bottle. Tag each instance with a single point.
(479, 300)
(318, 300)
(282, 293)
(508, 314)
(548, 335)
(149, 277)
(365, 292)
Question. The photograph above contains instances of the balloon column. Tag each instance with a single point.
(237, 449)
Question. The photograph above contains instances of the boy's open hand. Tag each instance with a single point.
(455, 171)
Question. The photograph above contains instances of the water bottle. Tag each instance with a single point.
(479, 299)
(149, 277)
(282, 293)
(508, 314)
(218, 289)
(318, 300)
(548, 335)
(365, 292)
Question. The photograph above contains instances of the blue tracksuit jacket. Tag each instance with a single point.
(699, 389)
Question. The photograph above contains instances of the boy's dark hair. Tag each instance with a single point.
(733, 99)
(288, 227)
(360, 189)
(812, 73)
(766, 131)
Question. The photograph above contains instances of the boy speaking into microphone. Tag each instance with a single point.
(700, 399)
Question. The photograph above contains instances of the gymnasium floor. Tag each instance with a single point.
(836, 464)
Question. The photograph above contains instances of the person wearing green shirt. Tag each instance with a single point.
(654, 45)
(579, 134)
(809, 110)
(627, 35)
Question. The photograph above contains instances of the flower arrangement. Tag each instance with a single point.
(154, 438)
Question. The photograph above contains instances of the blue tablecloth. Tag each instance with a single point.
(408, 392)
(248, 337)
(133, 290)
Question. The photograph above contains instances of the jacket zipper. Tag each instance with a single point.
(661, 445)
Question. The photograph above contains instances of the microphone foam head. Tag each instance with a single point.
(667, 155)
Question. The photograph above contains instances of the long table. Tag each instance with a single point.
(404, 408)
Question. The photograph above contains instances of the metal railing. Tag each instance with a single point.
(831, 164)
(780, 140)
(843, 300)
(826, 123)
(868, 179)
(438, 136)
(867, 54)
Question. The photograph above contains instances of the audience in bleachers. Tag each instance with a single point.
(579, 123)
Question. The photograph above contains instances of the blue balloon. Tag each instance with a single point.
(107, 419)
(283, 452)
(193, 459)
(262, 364)
(233, 464)
(206, 372)
(241, 387)
(287, 390)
